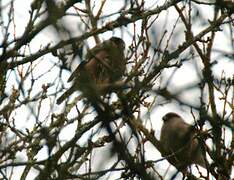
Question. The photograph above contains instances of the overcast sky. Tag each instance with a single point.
(181, 77)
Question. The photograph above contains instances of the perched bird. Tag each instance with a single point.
(104, 64)
(178, 138)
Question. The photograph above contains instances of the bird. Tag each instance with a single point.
(181, 145)
(104, 64)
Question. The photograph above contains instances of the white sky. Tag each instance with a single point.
(184, 75)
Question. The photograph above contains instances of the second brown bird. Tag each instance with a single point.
(180, 143)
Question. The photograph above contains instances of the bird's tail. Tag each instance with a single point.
(65, 95)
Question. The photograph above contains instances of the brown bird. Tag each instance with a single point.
(104, 64)
(178, 139)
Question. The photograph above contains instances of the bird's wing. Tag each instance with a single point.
(103, 58)
(98, 63)
(186, 131)
(90, 54)
(91, 65)
(99, 53)
(76, 72)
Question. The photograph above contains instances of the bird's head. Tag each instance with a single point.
(169, 116)
(118, 42)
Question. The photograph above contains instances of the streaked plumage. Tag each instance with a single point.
(105, 63)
